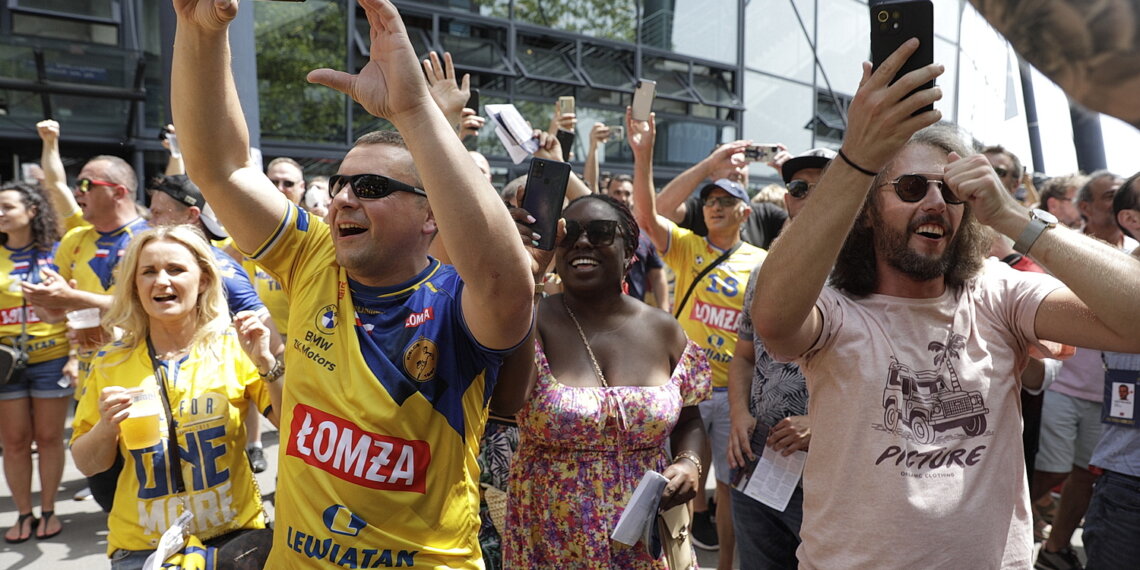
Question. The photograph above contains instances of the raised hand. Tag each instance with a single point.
(641, 135)
(973, 179)
(209, 15)
(879, 121)
(728, 161)
(48, 130)
(391, 85)
(449, 95)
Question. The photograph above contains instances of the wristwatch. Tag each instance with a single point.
(274, 373)
(1039, 221)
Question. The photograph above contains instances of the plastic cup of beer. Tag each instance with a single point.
(141, 428)
(88, 331)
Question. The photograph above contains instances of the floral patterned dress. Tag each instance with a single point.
(582, 452)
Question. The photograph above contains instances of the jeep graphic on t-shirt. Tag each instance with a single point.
(924, 402)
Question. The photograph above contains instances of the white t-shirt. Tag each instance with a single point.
(916, 457)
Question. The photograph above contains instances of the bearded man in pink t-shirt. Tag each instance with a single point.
(912, 354)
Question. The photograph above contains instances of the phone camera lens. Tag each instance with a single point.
(882, 16)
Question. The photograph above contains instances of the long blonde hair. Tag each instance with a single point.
(127, 313)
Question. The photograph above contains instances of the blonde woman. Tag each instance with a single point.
(204, 372)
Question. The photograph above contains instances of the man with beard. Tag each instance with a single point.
(912, 354)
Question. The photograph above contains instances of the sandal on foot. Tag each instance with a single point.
(24, 518)
(43, 522)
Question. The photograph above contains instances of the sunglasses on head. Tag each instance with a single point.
(723, 201)
(85, 184)
(913, 188)
(799, 188)
(369, 186)
(598, 232)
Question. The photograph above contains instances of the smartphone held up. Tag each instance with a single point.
(545, 191)
(893, 22)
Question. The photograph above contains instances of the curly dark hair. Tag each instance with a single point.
(627, 224)
(45, 228)
(855, 269)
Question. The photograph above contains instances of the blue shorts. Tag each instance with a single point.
(39, 380)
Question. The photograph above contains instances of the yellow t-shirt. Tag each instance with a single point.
(210, 391)
(712, 314)
(382, 415)
(48, 341)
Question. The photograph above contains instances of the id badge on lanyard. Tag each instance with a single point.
(1120, 393)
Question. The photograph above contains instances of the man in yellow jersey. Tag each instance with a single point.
(712, 274)
(88, 255)
(392, 356)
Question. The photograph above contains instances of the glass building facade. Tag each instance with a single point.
(768, 70)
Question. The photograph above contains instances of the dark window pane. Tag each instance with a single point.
(65, 29)
(542, 57)
(89, 8)
(605, 67)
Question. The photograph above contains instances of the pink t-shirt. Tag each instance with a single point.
(916, 458)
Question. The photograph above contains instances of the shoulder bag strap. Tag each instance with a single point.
(172, 448)
(702, 274)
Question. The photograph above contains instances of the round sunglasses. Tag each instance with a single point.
(913, 188)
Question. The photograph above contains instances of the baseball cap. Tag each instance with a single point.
(182, 189)
(735, 190)
(814, 158)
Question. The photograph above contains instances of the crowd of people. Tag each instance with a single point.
(943, 342)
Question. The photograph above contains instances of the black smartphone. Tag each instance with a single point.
(473, 101)
(566, 141)
(545, 191)
(893, 22)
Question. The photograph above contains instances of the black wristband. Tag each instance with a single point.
(855, 166)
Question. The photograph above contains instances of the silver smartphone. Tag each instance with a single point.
(643, 99)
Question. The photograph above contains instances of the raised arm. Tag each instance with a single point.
(476, 230)
(796, 269)
(449, 93)
(599, 133)
(721, 163)
(1098, 309)
(641, 136)
(55, 178)
(1089, 48)
(216, 151)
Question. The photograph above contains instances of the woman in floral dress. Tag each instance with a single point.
(616, 387)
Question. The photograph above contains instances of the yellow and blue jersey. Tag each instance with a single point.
(712, 314)
(48, 341)
(270, 292)
(384, 407)
(90, 256)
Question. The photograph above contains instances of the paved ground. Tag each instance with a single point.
(83, 543)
